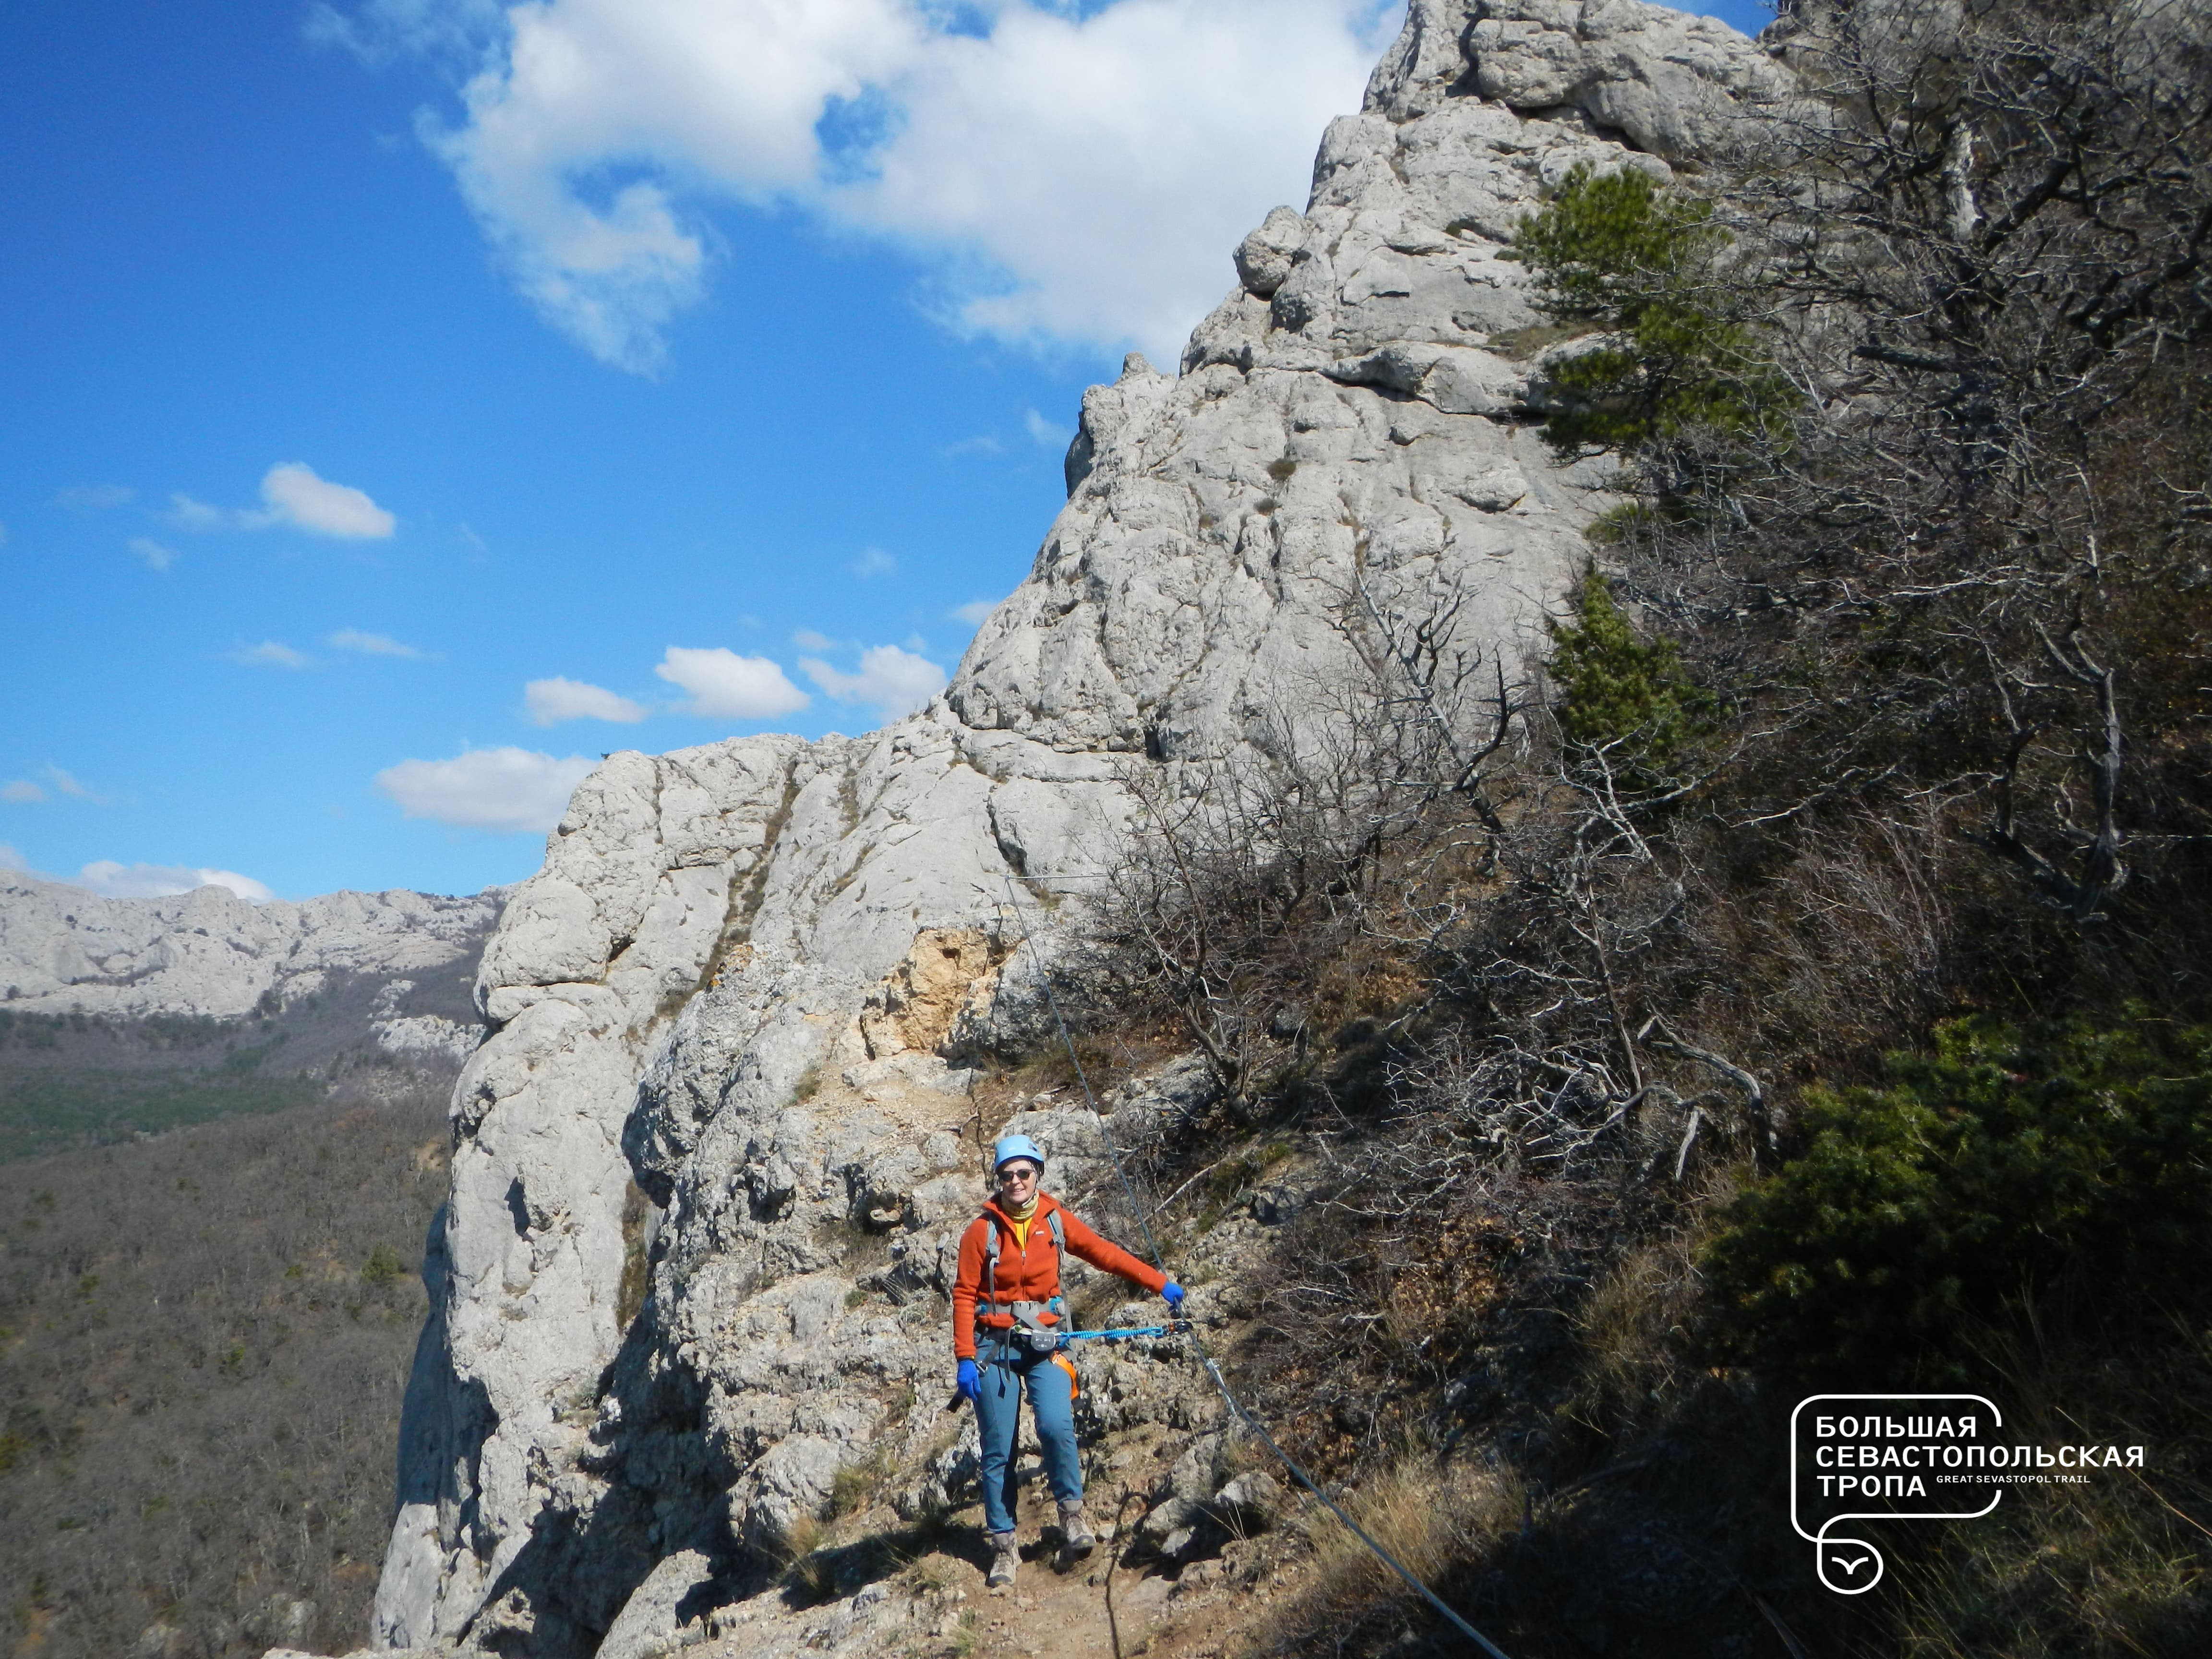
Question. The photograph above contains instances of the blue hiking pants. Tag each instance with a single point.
(1005, 1372)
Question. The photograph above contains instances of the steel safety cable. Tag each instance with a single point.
(1213, 1366)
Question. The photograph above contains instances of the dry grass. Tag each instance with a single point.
(2119, 1565)
(1632, 1334)
(1439, 1519)
(808, 1570)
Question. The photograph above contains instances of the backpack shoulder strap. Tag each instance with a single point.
(991, 1238)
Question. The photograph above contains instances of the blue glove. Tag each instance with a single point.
(1172, 1294)
(970, 1382)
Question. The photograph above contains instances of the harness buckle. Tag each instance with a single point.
(1031, 1332)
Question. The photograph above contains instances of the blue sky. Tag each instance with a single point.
(391, 395)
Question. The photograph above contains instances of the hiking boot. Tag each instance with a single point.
(1005, 1561)
(1075, 1532)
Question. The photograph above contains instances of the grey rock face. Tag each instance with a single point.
(713, 1161)
(210, 952)
(1676, 85)
(1672, 85)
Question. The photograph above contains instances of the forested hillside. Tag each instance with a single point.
(211, 1231)
(204, 1337)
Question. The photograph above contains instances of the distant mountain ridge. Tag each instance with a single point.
(209, 952)
(123, 1018)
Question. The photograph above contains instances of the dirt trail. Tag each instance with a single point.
(934, 1605)
(1061, 1614)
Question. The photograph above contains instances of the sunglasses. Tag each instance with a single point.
(1014, 1172)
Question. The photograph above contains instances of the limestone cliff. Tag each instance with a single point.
(210, 952)
(328, 980)
(708, 1164)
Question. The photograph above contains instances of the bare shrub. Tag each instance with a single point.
(1889, 706)
(1964, 590)
(1247, 907)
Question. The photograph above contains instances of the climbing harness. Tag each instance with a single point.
(1212, 1367)
(1029, 1331)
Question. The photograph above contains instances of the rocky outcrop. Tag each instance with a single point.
(1680, 88)
(210, 952)
(709, 1163)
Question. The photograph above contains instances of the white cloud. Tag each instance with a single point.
(548, 702)
(507, 788)
(370, 645)
(727, 686)
(113, 880)
(873, 562)
(186, 513)
(891, 681)
(1107, 166)
(157, 558)
(291, 494)
(12, 859)
(1079, 177)
(807, 639)
(295, 495)
(23, 791)
(974, 611)
(1044, 431)
(270, 654)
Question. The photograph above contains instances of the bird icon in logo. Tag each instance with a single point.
(1848, 1566)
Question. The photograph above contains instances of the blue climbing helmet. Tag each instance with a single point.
(1014, 1147)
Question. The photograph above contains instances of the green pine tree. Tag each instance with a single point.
(1618, 693)
(1614, 253)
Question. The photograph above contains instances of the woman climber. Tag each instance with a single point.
(1009, 1286)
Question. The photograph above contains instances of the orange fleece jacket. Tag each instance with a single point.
(1031, 1274)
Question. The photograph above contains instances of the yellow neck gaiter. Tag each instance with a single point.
(1021, 1218)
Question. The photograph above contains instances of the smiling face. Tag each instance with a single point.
(1018, 1181)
